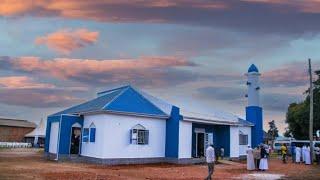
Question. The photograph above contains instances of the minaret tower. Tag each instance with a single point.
(253, 110)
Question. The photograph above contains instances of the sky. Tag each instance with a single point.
(193, 54)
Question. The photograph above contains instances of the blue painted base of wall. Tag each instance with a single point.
(221, 137)
(254, 115)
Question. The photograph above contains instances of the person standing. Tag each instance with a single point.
(257, 156)
(264, 160)
(304, 148)
(317, 152)
(222, 152)
(307, 156)
(298, 154)
(293, 153)
(210, 158)
(284, 152)
(250, 160)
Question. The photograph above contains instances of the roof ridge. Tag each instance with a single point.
(114, 98)
(113, 89)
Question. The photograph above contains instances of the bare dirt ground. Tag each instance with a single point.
(30, 164)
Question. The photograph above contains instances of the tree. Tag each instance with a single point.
(273, 130)
(298, 114)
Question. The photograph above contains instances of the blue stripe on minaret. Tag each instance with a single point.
(254, 115)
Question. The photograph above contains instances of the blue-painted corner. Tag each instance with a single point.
(172, 133)
(254, 115)
(65, 132)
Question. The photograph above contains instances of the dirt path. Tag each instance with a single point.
(29, 164)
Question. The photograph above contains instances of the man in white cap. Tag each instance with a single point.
(210, 158)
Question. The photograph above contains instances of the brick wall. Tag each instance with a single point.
(13, 134)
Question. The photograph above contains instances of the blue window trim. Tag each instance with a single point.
(92, 134)
(85, 137)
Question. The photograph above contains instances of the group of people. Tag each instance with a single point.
(257, 158)
(303, 155)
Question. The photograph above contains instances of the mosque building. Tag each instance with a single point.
(127, 125)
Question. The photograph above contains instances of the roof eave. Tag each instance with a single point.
(123, 113)
(208, 121)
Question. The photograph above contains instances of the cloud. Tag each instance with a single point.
(22, 82)
(222, 93)
(286, 17)
(39, 98)
(269, 101)
(292, 74)
(309, 6)
(147, 70)
(26, 91)
(66, 40)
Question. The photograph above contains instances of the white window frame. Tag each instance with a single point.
(139, 135)
(243, 138)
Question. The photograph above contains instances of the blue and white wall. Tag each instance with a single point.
(58, 133)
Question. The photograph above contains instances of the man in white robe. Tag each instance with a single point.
(298, 154)
(304, 147)
(307, 156)
(250, 160)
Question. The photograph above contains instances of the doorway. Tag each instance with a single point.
(200, 144)
(75, 140)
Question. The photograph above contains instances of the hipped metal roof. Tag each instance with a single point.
(129, 100)
(16, 123)
(123, 100)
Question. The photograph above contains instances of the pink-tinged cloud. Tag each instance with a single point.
(94, 9)
(22, 82)
(66, 41)
(284, 16)
(293, 74)
(145, 70)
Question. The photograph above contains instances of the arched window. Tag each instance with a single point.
(92, 133)
(139, 135)
(243, 138)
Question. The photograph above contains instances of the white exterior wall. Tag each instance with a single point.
(242, 148)
(185, 139)
(53, 143)
(234, 141)
(113, 137)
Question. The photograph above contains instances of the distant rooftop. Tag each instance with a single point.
(16, 123)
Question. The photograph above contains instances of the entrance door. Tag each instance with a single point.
(200, 144)
(75, 140)
(54, 132)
